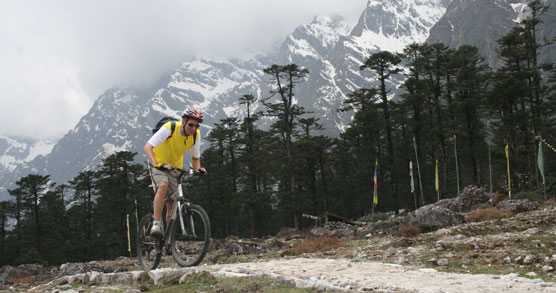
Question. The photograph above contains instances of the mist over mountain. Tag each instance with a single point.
(122, 118)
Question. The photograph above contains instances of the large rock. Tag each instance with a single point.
(388, 226)
(20, 271)
(432, 217)
(516, 205)
(74, 268)
(334, 229)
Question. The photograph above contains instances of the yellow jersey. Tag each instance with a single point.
(171, 151)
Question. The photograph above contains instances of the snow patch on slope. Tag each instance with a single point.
(522, 11)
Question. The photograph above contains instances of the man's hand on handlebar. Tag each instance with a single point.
(168, 167)
(163, 166)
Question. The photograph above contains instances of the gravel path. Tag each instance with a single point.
(322, 274)
(345, 275)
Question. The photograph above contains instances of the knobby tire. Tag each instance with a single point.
(189, 250)
(148, 248)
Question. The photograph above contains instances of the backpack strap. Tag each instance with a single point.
(172, 128)
(194, 137)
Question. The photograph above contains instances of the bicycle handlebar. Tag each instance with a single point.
(198, 172)
(182, 171)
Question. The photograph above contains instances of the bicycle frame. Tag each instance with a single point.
(176, 207)
(188, 247)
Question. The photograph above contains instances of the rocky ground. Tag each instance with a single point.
(511, 254)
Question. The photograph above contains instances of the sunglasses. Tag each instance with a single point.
(193, 125)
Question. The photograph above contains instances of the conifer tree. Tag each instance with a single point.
(384, 64)
(469, 86)
(18, 213)
(83, 185)
(53, 215)
(283, 80)
(32, 188)
(247, 128)
(5, 209)
(119, 181)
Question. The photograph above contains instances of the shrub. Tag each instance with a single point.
(378, 216)
(471, 195)
(321, 243)
(409, 231)
(530, 195)
(487, 215)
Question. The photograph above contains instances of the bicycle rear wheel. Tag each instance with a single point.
(189, 246)
(148, 248)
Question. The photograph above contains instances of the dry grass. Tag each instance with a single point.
(409, 231)
(548, 203)
(487, 215)
(17, 280)
(322, 244)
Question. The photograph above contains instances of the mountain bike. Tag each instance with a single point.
(186, 235)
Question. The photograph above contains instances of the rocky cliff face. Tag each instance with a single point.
(481, 23)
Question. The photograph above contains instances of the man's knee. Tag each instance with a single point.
(163, 187)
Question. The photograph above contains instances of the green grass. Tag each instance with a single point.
(204, 282)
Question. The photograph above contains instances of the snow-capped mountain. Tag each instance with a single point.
(14, 152)
(122, 118)
(383, 26)
(481, 23)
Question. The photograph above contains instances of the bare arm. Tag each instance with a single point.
(150, 154)
(196, 162)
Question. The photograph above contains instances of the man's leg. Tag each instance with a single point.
(171, 194)
(169, 207)
(159, 200)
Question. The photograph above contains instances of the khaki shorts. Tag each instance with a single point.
(171, 177)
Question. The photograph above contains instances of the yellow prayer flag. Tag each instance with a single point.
(508, 163)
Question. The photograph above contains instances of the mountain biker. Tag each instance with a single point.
(166, 150)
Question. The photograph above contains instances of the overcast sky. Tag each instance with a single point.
(57, 57)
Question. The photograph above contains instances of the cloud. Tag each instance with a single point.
(59, 56)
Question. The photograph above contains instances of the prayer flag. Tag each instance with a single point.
(375, 193)
(508, 163)
(540, 162)
(411, 176)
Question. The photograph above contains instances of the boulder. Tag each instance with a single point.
(516, 205)
(69, 269)
(433, 217)
(334, 229)
(20, 271)
(388, 226)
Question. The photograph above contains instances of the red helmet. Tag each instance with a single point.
(193, 114)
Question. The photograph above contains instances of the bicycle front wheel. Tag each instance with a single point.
(190, 244)
(148, 248)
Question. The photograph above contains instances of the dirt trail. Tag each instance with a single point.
(318, 273)
(346, 275)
